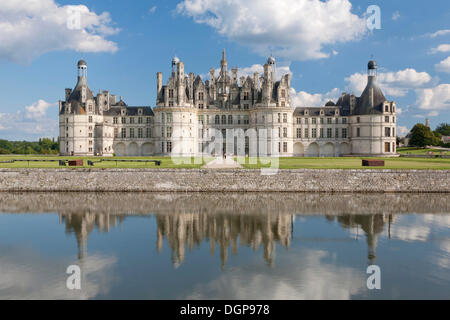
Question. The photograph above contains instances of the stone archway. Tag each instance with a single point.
(133, 149)
(120, 149)
(147, 149)
(328, 150)
(313, 150)
(299, 150)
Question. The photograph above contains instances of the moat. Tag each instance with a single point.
(224, 246)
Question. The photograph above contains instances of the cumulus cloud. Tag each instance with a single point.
(294, 29)
(437, 98)
(152, 10)
(402, 131)
(439, 33)
(395, 15)
(395, 84)
(38, 110)
(441, 48)
(30, 123)
(30, 28)
(443, 66)
(305, 99)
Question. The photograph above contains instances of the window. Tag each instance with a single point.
(322, 133)
(279, 118)
(387, 132)
(246, 95)
(344, 133)
(299, 120)
(217, 120)
(246, 121)
(163, 117)
(285, 117)
(285, 133)
(169, 118)
(283, 104)
(140, 120)
(358, 132)
(386, 119)
(200, 96)
(169, 132)
(170, 103)
(358, 120)
(116, 132)
(149, 132)
(329, 120)
(169, 146)
(124, 132)
(386, 108)
(314, 121)
(285, 147)
(140, 133)
(115, 120)
(337, 121)
(171, 93)
(344, 120)
(387, 147)
(148, 120)
(306, 133)
(124, 120)
(322, 121)
(162, 132)
(90, 134)
(131, 120)
(329, 133)
(299, 133)
(246, 106)
(279, 132)
(230, 119)
(162, 147)
(393, 132)
(131, 132)
(336, 133)
(90, 119)
(314, 133)
(224, 119)
(283, 93)
(200, 119)
(306, 121)
(201, 106)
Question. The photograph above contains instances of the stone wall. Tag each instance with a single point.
(181, 180)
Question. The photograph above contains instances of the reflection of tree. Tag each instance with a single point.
(372, 225)
(224, 230)
(82, 224)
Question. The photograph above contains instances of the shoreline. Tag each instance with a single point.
(225, 180)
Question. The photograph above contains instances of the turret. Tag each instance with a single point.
(159, 78)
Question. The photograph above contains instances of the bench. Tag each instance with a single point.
(373, 163)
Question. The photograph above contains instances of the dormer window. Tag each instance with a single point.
(321, 112)
(140, 112)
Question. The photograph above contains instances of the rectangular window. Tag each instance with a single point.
(116, 132)
(131, 120)
(322, 121)
(329, 133)
(387, 132)
(246, 95)
(344, 133)
(314, 133)
(344, 120)
(245, 106)
(140, 120)
(358, 120)
(171, 93)
(200, 96)
(170, 103)
(285, 147)
(314, 121)
(299, 133)
(169, 146)
(169, 118)
(322, 133)
(149, 132)
(90, 119)
(124, 132)
(306, 121)
(169, 132)
(336, 133)
(115, 120)
(148, 120)
(283, 93)
(246, 121)
(329, 120)
(124, 120)
(131, 132)
(285, 117)
(140, 133)
(299, 120)
(386, 119)
(387, 147)
(306, 133)
(285, 133)
(358, 132)
(162, 132)
(230, 119)
(279, 118)
(90, 134)
(279, 132)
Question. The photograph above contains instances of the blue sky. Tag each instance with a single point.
(324, 44)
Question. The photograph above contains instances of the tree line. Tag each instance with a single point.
(422, 136)
(43, 146)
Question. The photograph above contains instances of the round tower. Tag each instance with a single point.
(82, 69)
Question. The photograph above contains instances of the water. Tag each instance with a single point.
(224, 246)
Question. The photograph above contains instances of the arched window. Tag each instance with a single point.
(230, 119)
(217, 119)
(224, 119)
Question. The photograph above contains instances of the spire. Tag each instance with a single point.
(224, 57)
(223, 64)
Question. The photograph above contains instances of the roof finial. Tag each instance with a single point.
(224, 57)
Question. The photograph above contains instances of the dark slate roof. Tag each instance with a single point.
(330, 104)
(364, 105)
(131, 111)
(121, 103)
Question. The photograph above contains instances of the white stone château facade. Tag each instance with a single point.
(224, 114)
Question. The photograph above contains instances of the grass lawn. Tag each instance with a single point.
(356, 163)
(166, 162)
(284, 163)
(420, 151)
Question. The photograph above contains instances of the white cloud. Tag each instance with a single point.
(152, 10)
(395, 15)
(402, 131)
(38, 110)
(395, 84)
(30, 28)
(437, 98)
(30, 123)
(441, 48)
(305, 99)
(439, 33)
(294, 29)
(443, 66)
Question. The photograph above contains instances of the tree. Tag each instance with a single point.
(443, 129)
(422, 136)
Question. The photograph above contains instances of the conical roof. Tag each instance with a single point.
(365, 105)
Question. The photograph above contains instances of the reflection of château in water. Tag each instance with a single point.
(84, 223)
(372, 225)
(185, 231)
